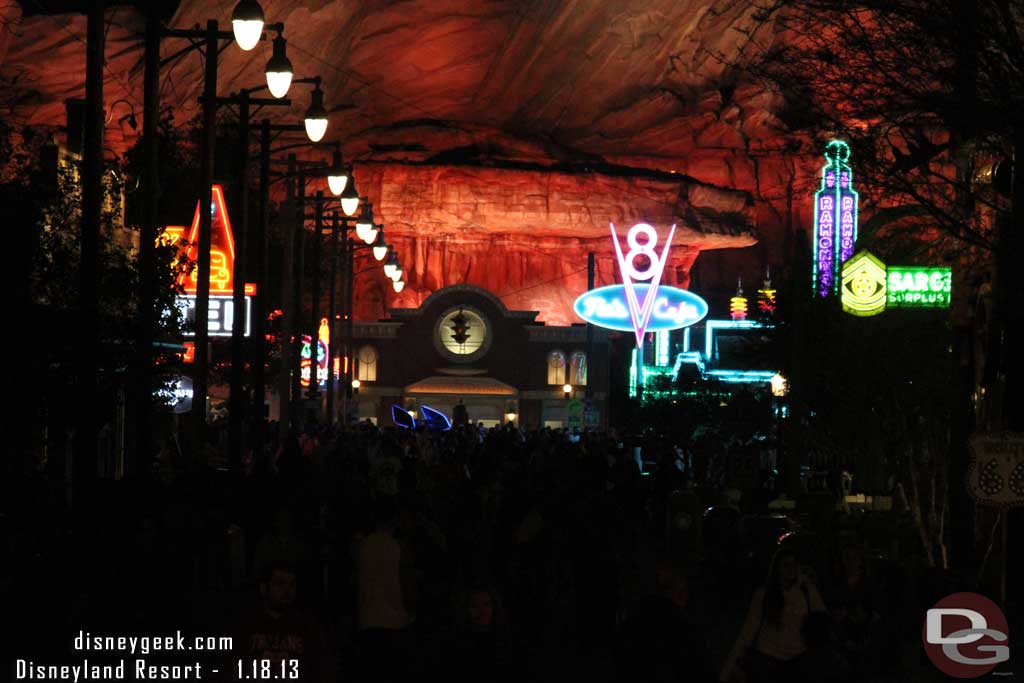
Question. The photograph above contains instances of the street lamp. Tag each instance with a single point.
(398, 285)
(355, 386)
(391, 265)
(247, 24)
(398, 272)
(780, 387)
(337, 177)
(316, 116)
(279, 69)
(350, 198)
(380, 247)
(567, 390)
(364, 225)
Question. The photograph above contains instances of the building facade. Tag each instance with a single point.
(463, 344)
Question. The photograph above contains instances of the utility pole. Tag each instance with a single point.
(590, 330)
(236, 408)
(288, 340)
(259, 305)
(206, 157)
(331, 314)
(142, 401)
(314, 318)
(92, 206)
(296, 303)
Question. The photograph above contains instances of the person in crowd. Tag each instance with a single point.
(279, 632)
(852, 598)
(770, 643)
(821, 662)
(658, 642)
(480, 649)
(384, 587)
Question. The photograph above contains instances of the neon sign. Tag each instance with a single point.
(864, 280)
(220, 314)
(633, 277)
(835, 217)
(222, 248)
(608, 307)
(919, 287)
(738, 305)
(322, 345)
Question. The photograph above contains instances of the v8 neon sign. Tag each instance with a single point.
(640, 312)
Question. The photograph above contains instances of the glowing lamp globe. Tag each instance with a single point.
(336, 182)
(316, 116)
(337, 177)
(390, 266)
(398, 285)
(371, 234)
(779, 385)
(397, 275)
(247, 24)
(355, 384)
(279, 70)
(350, 198)
(380, 247)
(567, 388)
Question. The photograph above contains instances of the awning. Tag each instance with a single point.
(461, 385)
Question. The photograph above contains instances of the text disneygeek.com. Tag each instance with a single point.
(104, 666)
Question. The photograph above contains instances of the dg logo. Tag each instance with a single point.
(963, 633)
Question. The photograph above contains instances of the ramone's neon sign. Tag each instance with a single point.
(641, 303)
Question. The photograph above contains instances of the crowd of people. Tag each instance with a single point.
(368, 554)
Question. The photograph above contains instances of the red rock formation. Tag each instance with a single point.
(496, 138)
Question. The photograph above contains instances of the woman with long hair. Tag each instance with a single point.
(770, 644)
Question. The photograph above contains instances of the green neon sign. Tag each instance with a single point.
(918, 287)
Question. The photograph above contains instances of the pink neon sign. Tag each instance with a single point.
(640, 313)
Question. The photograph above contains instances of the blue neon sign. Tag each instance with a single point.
(608, 307)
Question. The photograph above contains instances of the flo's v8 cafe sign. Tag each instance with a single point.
(641, 303)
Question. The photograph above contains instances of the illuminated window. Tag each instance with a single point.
(556, 368)
(366, 364)
(578, 369)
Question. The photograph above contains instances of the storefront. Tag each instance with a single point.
(463, 345)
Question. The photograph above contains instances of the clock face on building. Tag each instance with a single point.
(462, 334)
